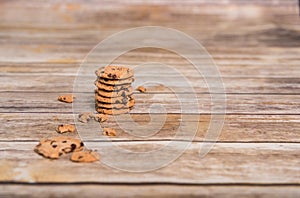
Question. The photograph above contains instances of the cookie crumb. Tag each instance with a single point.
(100, 117)
(85, 117)
(69, 98)
(141, 89)
(85, 156)
(109, 132)
(65, 128)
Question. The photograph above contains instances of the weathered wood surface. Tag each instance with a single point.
(242, 85)
(12, 102)
(167, 190)
(226, 163)
(256, 46)
(237, 128)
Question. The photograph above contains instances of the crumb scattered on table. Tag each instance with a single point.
(100, 117)
(141, 89)
(68, 98)
(109, 132)
(85, 117)
(66, 128)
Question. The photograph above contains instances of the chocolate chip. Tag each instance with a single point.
(64, 141)
(60, 153)
(81, 144)
(52, 141)
(80, 157)
(54, 146)
(73, 147)
(109, 75)
(114, 76)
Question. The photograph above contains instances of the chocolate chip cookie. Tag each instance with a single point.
(113, 94)
(54, 147)
(105, 87)
(113, 111)
(115, 72)
(116, 82)
(130, 103)
(116, 100)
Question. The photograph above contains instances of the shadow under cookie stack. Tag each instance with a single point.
(113, 95)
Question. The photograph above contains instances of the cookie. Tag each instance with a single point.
(141, 89)
(116, 82)
(112, 111)
(128, 104)
(117, 100)
(109, 132)
(54, 147)
(85, 156)
(100, 85)
(114, 94)
(115, 72)
(100, 117)
(64, 128)
(69, 98)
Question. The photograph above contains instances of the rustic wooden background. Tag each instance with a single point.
(256, 45)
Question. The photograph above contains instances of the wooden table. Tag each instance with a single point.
(256, 46)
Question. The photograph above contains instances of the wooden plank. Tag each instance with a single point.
(93, 190)
(61, 83)
(68, 13)
(227, 70)
(237, 128)
(45, 48)
(18, 102)
(226, 163)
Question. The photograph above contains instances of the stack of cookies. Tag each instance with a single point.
(113, 94)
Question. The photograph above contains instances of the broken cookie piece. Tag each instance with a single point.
(85, 117)
(109, 132)
(69, 98)
(65, 128)
(141, 89)
(54, 147)
(85, 156)
(100, 117)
